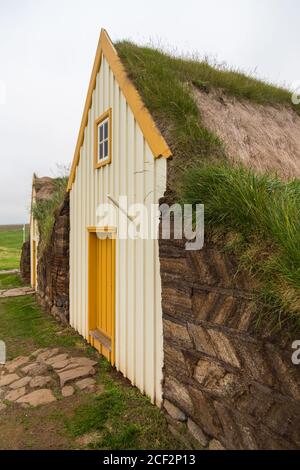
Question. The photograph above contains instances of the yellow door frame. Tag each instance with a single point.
(97, 337)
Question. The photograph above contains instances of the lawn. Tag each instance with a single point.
(9, 281)
(116, 417)
(11, 240)
(24, 327)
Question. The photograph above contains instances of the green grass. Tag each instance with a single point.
(122, 417)
(264, 214)
(160, 80)
(44, 211)
(165, 84)
(11, 240)
(24, 327)
(9, 281)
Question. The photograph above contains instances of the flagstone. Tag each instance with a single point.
(72, 374)
(13, 395)
(67, 391)
(60, 364)
(84, 361)
(86, 384)
(79, 361)
(34, 369)
(47, 354)
(8, 379)
(38, 397)
(57, 358)
(34, 373)
(11, 366)
(40, 381)
(20, 383)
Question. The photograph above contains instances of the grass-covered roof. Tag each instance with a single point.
(259, 211)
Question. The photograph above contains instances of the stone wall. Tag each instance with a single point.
(53, 267)
(25, 263)
(224, 385)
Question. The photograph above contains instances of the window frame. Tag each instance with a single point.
(105, 161)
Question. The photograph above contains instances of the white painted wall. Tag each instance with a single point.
(136, 173)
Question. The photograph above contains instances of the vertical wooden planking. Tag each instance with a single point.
(105, 73)
(139, 261)
(101, 111)
(116, 173)
(109, 286)
(149, 282)
(96, 173)
(77, 275)
(89, 182)
(81, 250)
(113, 297)
(93, 280)
(160, 185)
(130, 266)
(111, 170)
(78, 253)
(106, 106)
(138, 323)
(71, 257)
(83, 238)
(104, 286)
(91, 175)
(84, 232)
(123, 243)
(73, 275)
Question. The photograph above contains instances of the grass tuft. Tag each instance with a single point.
(93, 416)
(121, 417)
(264, 212)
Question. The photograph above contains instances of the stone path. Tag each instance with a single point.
(10, 271)
(17, 292)
(45, 376)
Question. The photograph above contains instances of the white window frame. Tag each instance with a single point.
(102, 142)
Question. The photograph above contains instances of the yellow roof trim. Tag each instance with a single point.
(155, 140)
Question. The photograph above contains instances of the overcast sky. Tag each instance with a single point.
(47, 49)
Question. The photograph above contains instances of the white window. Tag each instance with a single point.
(103, 140)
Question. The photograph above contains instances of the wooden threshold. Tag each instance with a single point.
(104, 340)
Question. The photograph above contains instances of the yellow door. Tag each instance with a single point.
(102, 295)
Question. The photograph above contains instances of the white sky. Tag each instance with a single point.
(47, 50)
